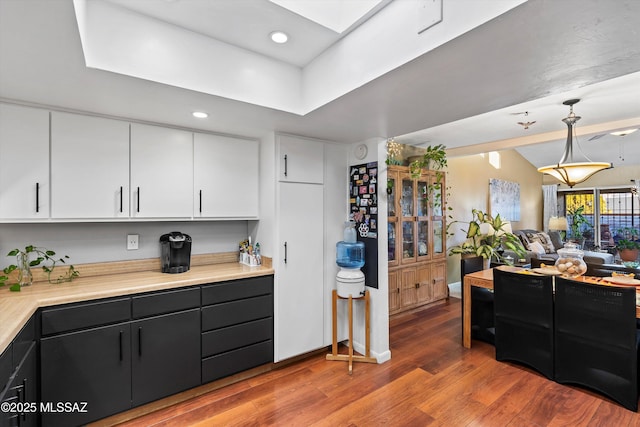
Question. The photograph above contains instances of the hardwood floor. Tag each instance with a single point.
(431, 380)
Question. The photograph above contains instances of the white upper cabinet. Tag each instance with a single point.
(24, 163)
(300, 160)
(89, 167)
(225, 177)
(161, 172)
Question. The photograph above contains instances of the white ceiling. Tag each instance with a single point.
(461, 94)
(247, 24)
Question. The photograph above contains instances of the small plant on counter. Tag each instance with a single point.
(24, 264)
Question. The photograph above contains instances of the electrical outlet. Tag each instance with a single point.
(132, 242)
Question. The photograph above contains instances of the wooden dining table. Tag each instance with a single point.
(484, 279)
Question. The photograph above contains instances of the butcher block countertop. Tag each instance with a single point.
(112, 279)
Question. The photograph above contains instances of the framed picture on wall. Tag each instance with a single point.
(504, 199)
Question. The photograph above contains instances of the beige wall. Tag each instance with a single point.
(468, 182)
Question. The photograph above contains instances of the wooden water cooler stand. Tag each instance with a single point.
(367, 331)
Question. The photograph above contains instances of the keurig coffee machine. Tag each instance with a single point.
(176, 252)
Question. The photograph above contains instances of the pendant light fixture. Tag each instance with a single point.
(568, 171)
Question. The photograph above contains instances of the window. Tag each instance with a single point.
(616, 215)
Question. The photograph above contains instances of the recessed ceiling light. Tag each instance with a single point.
(279, 37)
(200, 114)
(624, 132)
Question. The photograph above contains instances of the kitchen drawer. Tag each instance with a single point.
(234, 312)
(232, 337)
(163, 302)
(23, 340)
(236, 289)
(235, 361)
(85, 315)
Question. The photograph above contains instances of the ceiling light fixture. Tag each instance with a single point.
(624, 132)
(279, 37)
(568, 171)
(200, 114)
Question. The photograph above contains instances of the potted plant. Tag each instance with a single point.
(578, 224)
(486, 236)
(433, 159)
(628, 233)
(22, 268)
(628, 249)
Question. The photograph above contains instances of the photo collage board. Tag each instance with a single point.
(363, 198)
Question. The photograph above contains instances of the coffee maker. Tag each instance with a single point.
(175, 252)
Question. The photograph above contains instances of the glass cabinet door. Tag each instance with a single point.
(391, 196)
(407, 197)
(422, 187)
(423, 238)
(391, 230)
(408, 241)
(438, 197)
(438, 237)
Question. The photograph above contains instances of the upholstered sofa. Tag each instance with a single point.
(549, 243)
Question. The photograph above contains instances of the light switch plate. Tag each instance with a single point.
(132, 241)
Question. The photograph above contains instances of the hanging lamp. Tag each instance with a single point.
(568, 171)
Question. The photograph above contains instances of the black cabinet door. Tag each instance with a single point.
(92, 366)
(165, 355)
(22, 392)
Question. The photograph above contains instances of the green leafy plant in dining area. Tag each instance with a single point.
(579, 223)
(24, 264)
(486, 235)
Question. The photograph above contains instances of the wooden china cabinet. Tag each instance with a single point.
(417, 243)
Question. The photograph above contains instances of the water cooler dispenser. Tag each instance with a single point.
(350, 258)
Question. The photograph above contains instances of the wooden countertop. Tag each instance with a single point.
(17, 307)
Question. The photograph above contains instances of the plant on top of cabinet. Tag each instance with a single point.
(24, 264)
(434, 159)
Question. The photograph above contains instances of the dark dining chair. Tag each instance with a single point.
(523, 305)
(597, 339)
(481, 303)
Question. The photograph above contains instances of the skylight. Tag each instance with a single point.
(337, 15)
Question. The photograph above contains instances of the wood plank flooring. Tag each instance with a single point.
(431, 380)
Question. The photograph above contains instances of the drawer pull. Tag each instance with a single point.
(121, 356)
(285, 165)
(140, 341)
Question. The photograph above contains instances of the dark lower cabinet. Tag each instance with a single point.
(92, 366)
(166, 355)
(21, 393)
(103, 357)
(237, 326)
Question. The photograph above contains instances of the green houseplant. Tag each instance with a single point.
(579, 224)
(486, 235)
(433, 159)
(628, 249)
(24, 263)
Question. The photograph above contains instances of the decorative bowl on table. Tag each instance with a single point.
(631, 264)
(570, 262)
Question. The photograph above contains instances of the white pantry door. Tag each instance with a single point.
(300, 285)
